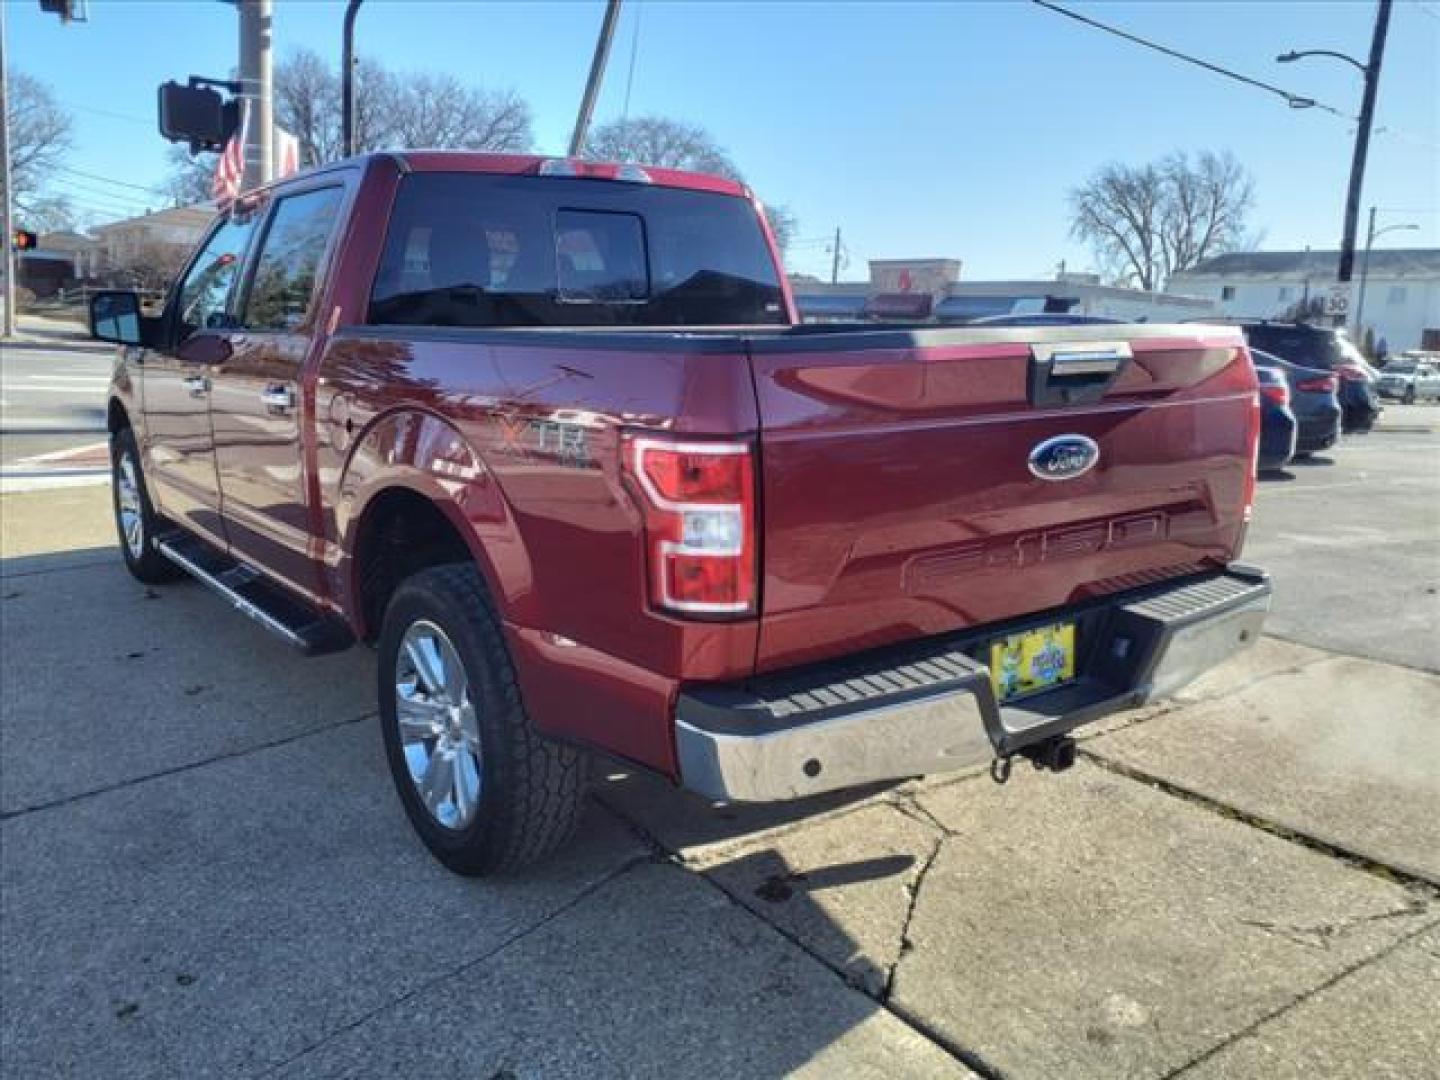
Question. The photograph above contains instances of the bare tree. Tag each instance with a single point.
(190, 177)
(439, 111)
(783, 224)
(150, 266)
(307, 95)
(660, 141)
(40, 134)
(1148, 222)
(674, 144)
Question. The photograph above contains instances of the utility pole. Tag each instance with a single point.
(257, 78)
(597, 75)
(835, 259)
(1362, 140)
(11, 263)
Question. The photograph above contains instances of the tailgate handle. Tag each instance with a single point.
(1075, 373)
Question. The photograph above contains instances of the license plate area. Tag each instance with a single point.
(1032, 661)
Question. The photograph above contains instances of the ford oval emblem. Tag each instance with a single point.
(1064, 457)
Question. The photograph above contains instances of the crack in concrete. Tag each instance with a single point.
(913, 888)
(460, 969)
(1320, 935)
(1298, 1000)
(1356, 860)
(229, 755)
(967, 1058)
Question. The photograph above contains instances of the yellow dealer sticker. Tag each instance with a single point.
(1035, 660)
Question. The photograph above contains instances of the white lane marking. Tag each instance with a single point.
(56, 455)
(96, 390)
(1356, 537)
(1274, 488)
(50, 376)
(79, 478)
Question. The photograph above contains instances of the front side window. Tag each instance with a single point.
(486, 250)
(205, 293)
(284, 285)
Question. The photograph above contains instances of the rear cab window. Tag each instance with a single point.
(484, 250)
(1306, 347)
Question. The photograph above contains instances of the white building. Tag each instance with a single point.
(1401, 302)
(179, 227)
(930, 291)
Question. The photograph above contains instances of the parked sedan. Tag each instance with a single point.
(1314, 399)
(1409, 380)
(1328, 350)
(1278, 427)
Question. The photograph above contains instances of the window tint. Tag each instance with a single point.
(1308, 348)
(484, 250)
(289, 259)
(205, 292)
(600, 258)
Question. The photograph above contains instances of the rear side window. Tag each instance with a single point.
(284, 284)
(484, 250)
(1308, 348)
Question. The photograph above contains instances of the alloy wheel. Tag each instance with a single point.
(438, 725)
(127, 500)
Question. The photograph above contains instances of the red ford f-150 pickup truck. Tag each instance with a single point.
(546, 433)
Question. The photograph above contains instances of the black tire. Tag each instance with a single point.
(1409, 398)
(531, 788)
(142, 558)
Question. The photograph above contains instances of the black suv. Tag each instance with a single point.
(1326, 349)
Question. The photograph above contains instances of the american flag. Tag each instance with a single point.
(230, 169)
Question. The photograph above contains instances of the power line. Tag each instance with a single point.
(106, 180)
(1295, 101)
(107, 113)
(117, 197)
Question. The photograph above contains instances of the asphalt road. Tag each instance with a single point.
(1353, 541)
(51, 397)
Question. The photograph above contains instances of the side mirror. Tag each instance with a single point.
(115, 316)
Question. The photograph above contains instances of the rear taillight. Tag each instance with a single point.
(1326, 385)
(1252, 434)
(1279, 394)
(1352, 373)
(698, 500)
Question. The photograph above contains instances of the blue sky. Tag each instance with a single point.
(946, 129)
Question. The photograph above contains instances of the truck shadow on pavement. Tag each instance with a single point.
(205, 868)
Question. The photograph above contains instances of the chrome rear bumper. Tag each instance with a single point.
(929, 708)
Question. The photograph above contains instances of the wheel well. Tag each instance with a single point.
(402, 533)
(117, 418)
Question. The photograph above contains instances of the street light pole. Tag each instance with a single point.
(1370, 236)
(347, 78)
(1371, 72)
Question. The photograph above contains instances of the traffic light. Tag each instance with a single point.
(68, 10)
(24, 240)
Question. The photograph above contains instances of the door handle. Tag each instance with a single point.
(198, 385)
(278, 397)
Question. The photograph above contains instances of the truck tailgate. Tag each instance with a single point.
(898, 497)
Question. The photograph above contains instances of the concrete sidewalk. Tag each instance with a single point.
(205, 870)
